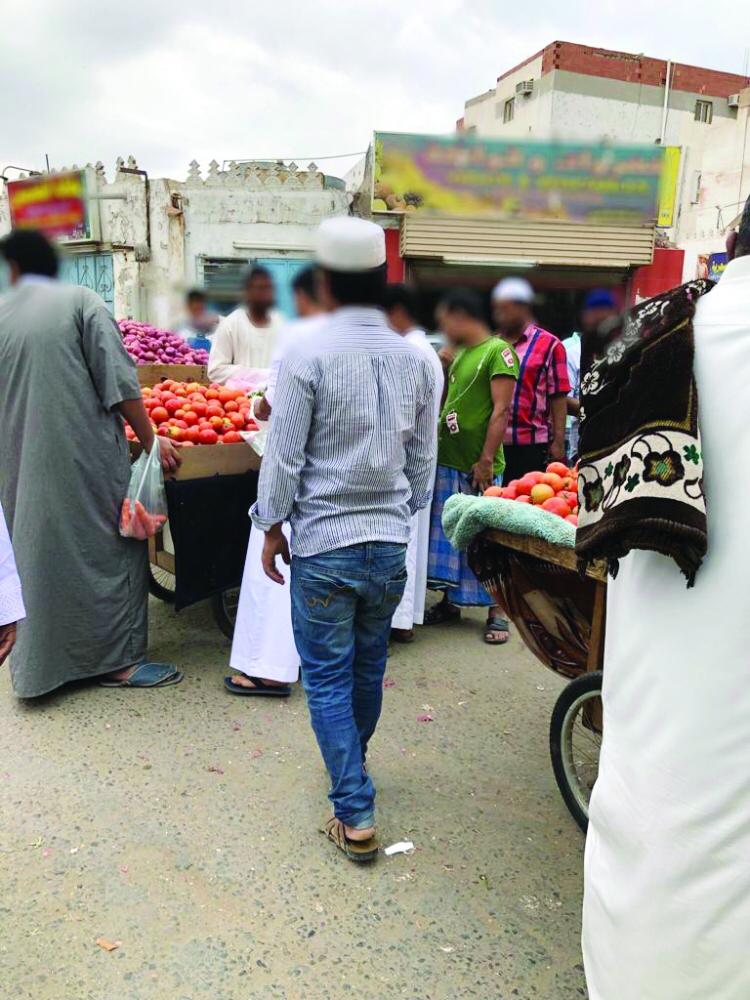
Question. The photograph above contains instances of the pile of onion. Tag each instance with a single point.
(149, 346)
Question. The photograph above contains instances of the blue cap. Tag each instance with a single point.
(599, 298)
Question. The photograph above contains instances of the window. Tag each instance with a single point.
(509, 109)
(704, 111)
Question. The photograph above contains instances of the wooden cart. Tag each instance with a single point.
(560, 615)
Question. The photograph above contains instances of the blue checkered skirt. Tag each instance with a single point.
(447, 568)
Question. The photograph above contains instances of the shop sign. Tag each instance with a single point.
(557, 181)
(55, 204)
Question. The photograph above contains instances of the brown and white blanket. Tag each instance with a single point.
(641, 467)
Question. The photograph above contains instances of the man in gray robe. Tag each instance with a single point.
(66, 382)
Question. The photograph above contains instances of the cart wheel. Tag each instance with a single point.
(575, 741)
(161, 584)
(225, 610)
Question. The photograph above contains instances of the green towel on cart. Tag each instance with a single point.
(465, 517)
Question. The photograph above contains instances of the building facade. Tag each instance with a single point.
(581, 92)
(153, 238)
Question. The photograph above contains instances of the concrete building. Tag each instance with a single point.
(580, 92)
(151, 239)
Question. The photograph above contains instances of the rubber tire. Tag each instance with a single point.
(225, 623)
(157, 590)
(589, 683)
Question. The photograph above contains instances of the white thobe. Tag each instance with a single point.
(11, 601)
(667, 874)
(410, 611)
(263, 644)
(239, 346)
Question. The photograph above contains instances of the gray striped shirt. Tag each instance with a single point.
(351, 450)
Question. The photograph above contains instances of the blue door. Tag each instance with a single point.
(283, 270)
(90, 270)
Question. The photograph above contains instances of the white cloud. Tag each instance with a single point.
(170, 82)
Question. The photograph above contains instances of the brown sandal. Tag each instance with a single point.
(355, 850)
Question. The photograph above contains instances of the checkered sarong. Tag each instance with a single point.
(447, 568)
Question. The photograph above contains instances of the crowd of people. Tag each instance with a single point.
(369, 432)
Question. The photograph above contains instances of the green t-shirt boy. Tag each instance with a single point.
(469, 405)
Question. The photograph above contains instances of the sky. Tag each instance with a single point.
(242, 79)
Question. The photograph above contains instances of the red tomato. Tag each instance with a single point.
(159, 414)
(180, 390)
(163, 431)
(199, 408)
(204, 426)
(493, 491)
(214, 410)
(175, 433)
(194, 387)
(217, 423)
(556, 505)
(237, 420)
(192, 434)
(212, 393)
(208, 437)
(190, 418)
(232, 437)
(231, 406)
(523, 498)
(172, 405)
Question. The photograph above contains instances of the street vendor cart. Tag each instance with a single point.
(560, 616)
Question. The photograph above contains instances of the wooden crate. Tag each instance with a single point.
(204, 461)
(151, 375)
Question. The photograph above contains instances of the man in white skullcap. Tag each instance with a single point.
(11, 601)
(535, 434)
(349, 461)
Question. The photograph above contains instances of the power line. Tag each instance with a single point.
(271, 159)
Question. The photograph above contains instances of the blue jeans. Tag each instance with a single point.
(342, 605)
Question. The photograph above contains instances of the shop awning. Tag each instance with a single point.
(504, 243)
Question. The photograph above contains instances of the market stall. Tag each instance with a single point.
(520, 543)
(199, 553)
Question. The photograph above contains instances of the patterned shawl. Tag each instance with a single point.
(641, 470)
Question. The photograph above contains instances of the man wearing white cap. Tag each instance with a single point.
(536, 429)
(11, 602)
(349, 461)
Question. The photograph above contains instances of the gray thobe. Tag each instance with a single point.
(64, 471)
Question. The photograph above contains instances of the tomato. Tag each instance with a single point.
(190, 418)
(204, 426)
(232, 437)
(192, 434)
(166, 384)
(214, 410)
(217, 423)
(172, 405)
(208, 437)
(212, 393)
(199, 408)
(231, 406)
(237, 420)
(493, 491)
(180, 414)
(175, 433)
(228, 395)
(180, 390)
(163, 431)
(194, 387)
(159, 415)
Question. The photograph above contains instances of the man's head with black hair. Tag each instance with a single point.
(195, 300)
(351, 288)
(463, 317)
(401, 307)
(259, 294)
(28, 251)
(305, 292)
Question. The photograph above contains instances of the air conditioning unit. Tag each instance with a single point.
(525, 87)
(733, 100)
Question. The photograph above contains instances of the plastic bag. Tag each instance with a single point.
(144, 509)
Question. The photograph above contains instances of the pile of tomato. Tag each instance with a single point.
(191, 414)
(555, 490)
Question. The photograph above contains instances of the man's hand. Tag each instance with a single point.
(482, 474)
(447, 356)
(557, 451)
(262, 408)
(7, 641)
(171, 459)
(275, 545)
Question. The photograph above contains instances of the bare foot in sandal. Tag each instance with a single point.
(496, 631)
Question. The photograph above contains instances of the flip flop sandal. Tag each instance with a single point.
(355, 850)
(493, 626)
(260, 689)
(147, 675)
(442, 614)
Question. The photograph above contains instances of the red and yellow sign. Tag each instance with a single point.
(55, 204)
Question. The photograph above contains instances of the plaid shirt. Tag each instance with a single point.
(543, 373)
